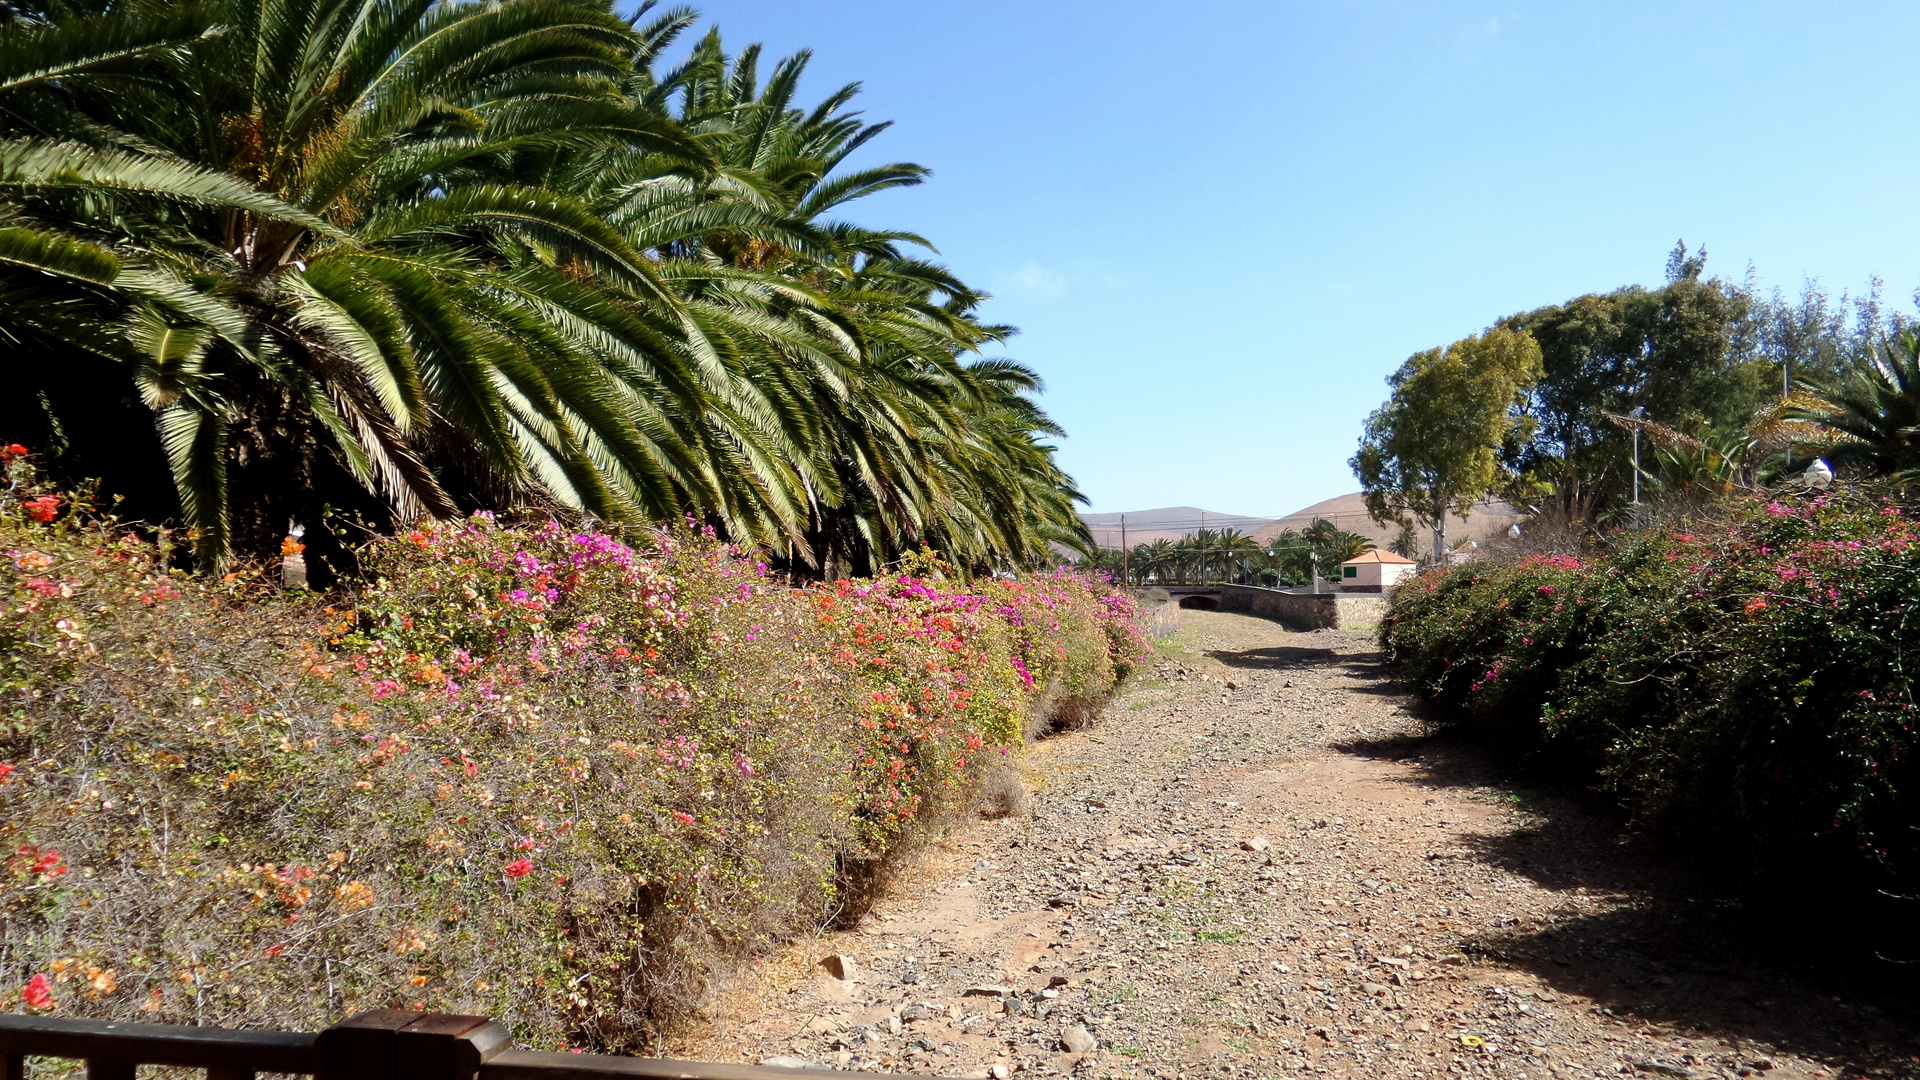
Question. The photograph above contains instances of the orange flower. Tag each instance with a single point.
(1755, 606)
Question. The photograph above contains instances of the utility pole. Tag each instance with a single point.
(1126, 554)
(1637, 413)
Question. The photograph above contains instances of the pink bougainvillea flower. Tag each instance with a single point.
(685, 818)
(38, 993)
(519, 868)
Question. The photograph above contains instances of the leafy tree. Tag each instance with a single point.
(1434, 447)
(1684, 353)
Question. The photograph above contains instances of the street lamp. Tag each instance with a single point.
(1638, 412)
(1818, 477)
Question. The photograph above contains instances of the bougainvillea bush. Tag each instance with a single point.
(1744, 684)
(554, 775)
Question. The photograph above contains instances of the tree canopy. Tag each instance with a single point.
(406, 258)
(1435, 447)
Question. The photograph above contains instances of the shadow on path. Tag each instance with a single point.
(1659, 942)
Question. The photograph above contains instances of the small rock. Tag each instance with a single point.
(1256, 843)
(1078, 1040)
(1060, 900)
(912, 1013)
(842, 967)
(1057, 980)
(987, 990)
(894, 1026)
(788, 1061)
(999, 1072)
(1374, 989)
(1663, 1068)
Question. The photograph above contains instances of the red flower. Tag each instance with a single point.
(12, 450)
(519, 868)
(38, 993)
(6, 772)
(43, 508)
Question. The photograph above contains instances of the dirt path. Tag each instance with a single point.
(1253, 866)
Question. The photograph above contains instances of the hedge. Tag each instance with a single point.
(557, 775)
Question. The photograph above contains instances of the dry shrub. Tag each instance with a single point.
(556, 776)
(1002, 795)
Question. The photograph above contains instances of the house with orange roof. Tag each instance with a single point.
(1375, 571)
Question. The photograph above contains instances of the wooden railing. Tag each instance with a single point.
(384, 1044)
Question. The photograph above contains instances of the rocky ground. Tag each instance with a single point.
(1254, 865)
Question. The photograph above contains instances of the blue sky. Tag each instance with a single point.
(1220, 225)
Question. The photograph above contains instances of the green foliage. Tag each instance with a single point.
(1869, 409)
(1231, 555)
(1685, 352)
(1745, 686)
(523, 267)
(560, 776)
(1433, 448)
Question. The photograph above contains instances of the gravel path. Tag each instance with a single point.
(1253, 865)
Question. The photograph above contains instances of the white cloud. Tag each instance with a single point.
(1033, 281)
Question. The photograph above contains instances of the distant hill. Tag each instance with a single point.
(1490, 518)
(1349, 512)
(1165, 523)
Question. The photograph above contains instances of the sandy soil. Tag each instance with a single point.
(1254, 865)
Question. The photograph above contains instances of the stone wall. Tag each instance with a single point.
(1340, 611)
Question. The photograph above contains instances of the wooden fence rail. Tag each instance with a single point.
(384, 1044)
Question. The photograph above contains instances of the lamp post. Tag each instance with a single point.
(1638, 412)
(1818, 477)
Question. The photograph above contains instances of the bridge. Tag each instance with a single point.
(1203, 597)
(1299, 607)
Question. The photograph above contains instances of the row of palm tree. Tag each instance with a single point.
(446, 255)
(1290, 558)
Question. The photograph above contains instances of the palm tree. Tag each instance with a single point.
(472, 254)
(1236, 549)
(1289, 554)
(1869, 411)
(369, 289)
